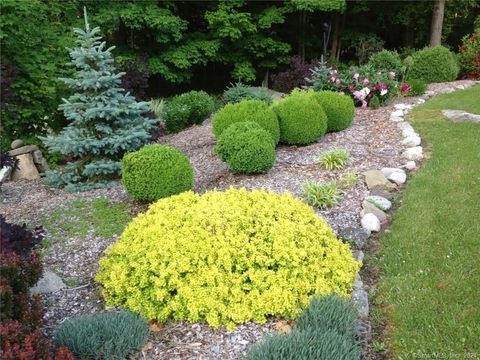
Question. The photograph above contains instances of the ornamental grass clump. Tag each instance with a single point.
(247, 148)
(225, 258)
(156, 171)
(112, 335)
(322, 195)
(334, 159)
(247, 110)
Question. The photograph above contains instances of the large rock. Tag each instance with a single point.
(396, 175)
(23, 150)
(411, 140)
(356, 236)
(376, 180)
(413, 153)
(402, 106)
(40, 161)
(385, 194)
(398, 113)
(380, 202)
(396, 118)
(405, 126)
(410, 165)
(50, 282)
(370, 222)
(360, 297)
(26, 168)
(369, 208)
(16, 144)
(460, 116)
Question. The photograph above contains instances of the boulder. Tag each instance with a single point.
(413, 153)
(376, 180)
(385, 194)
(356, 236)
(40, 161)
(379, 201)
(411, 140)
(410, 165)
(16, 144)
(23, 150)
(369, 208)
(370, 222)
(396, 175)
(50, 282)
(405, 126)
(26, 168)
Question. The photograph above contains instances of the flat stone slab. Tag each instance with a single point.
(376, 180)
(50, 282)
(461, 116)
(23, 150)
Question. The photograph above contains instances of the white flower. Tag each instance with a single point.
(365, 91)
(383, 92)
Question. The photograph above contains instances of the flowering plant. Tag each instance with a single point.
(362, 84)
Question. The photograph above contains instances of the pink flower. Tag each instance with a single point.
(364, 104)
(391, 74)
(332, 79)
(334, 72)
(365, 81)
(337, 81)
(356, 75)
(351, 87)
(341, 93)
(405, 88)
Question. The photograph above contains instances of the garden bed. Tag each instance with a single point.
(373, 142)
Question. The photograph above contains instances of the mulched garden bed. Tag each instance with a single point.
(373, 142)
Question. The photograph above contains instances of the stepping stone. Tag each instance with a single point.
(50, 282)
(460, 116)
(370, 222)
(411, 140)
(385, 194)
(413, 153)
(369, 208)
(376, 180)
(410, 165)
(354, 235)
(380, 202)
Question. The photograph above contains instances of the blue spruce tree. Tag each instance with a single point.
(105, 123)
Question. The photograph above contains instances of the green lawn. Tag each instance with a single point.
(429, 290)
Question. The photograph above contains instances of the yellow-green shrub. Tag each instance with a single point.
(225, 258)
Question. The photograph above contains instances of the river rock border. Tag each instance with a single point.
(381, 184)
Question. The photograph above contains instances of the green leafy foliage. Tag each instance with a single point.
(247, 148)
(470, 53)
(105, 122)
(247, 110)
(386, 60)
(156, 171)
(334, 159)
(187, 109)
(111, 335)
(238, 92)
(338, 108)
(225, 258)
(416, 87)
(322, 195)
(374, 102)
(435, 64)
(302, 119)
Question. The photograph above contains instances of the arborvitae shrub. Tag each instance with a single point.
(339, 109)
(416, 87)
(247, 110)
(306, 345)
(225, 258)
(238, 92)
(247, 148)
(386, 60)
(330, 313)
(187, 109)
(302, 119)
(435, 64)
(112, 335)
(156, 171)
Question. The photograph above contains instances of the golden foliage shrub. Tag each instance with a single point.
(225, 258)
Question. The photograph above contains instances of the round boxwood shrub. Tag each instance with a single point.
(112, 335)
(416, 87)
(187, 109)
(247, 148)
(386, 60)
(247, 110)
(225, 258)
(339, 109)
(156, 171)
(302, 119)
(435, 64)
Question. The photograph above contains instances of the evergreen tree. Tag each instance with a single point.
(106, 121)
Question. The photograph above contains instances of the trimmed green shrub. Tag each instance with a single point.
(306, 345)
(302, 119)
(238, 92)
(330, 313)
(156, 171)
(339, 109)
(187, 109)
(225, 258)
(322, 195)
(247, 148)
(112, 335)
(435, 64)
(416, 87)
(386, 60)
(247, 110)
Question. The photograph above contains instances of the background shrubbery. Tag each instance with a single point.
(238, 92)
(156, 171)
(387, 61)
(225, 258)
(434, 65)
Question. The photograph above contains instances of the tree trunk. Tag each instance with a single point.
(437, 23)
(335, 36)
